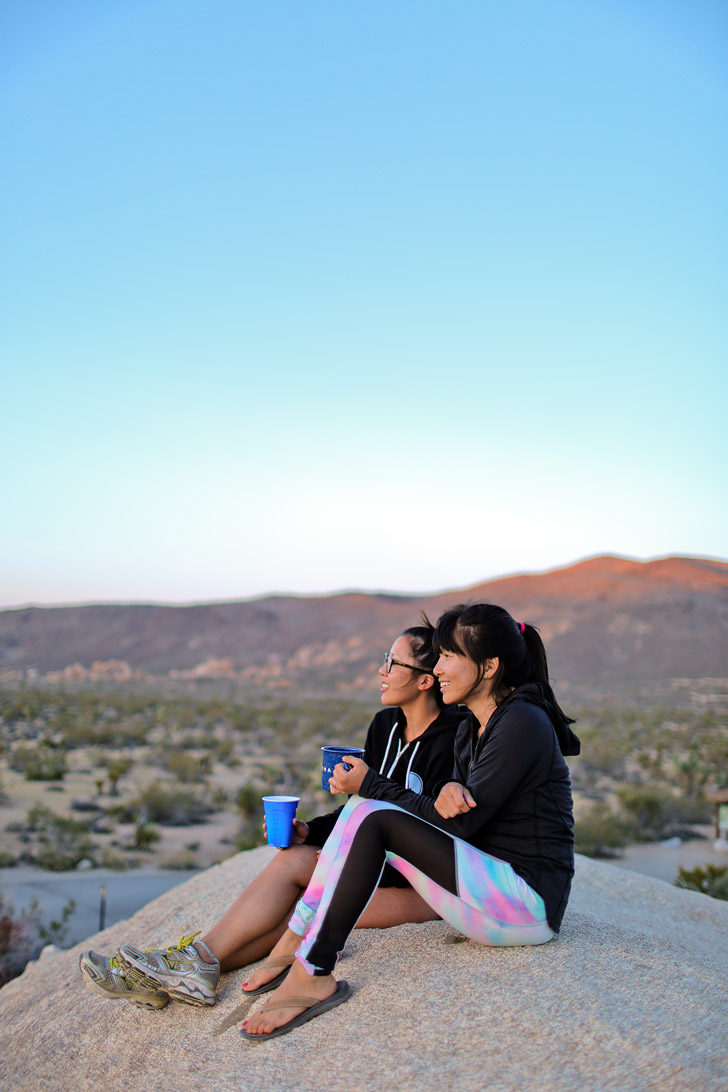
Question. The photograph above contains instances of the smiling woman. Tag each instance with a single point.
(492, 852)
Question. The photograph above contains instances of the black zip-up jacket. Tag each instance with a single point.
(520, 782)
(417, 766)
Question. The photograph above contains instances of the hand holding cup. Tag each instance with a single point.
(332, 756)
(348, 781)
(280, 814)
(300, 832)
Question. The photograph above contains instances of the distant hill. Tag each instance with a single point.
(605, 618)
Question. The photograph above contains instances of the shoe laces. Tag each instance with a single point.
(183, 943)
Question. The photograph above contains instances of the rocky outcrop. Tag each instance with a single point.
(630, 998)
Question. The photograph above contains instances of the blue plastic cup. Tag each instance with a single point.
(280, 812)
(332, 756)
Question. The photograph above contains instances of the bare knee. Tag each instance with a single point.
(295, 864)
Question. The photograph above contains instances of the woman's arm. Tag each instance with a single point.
(320, 828)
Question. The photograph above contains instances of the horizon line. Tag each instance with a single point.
(374, 592)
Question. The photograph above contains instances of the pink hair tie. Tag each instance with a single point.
(521, 627)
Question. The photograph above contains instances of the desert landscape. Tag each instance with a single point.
(154, 758)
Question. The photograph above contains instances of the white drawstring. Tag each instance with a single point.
(396, 757)
(389, 743)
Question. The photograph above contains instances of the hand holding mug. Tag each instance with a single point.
(348, 781)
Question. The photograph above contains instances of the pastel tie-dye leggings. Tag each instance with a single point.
(479, 895)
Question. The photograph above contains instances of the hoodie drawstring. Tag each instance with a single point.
(389, 744)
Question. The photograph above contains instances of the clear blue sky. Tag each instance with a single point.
(303, 295)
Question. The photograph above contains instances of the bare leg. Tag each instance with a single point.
(258, 917)
(255, 949)
(389, 906)
(250, 928)
(395, 906)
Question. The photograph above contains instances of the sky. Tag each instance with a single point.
(305, 296)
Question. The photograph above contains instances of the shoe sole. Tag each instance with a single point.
(177, 987)
(142, 1000)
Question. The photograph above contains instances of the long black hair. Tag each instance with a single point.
(424, 654)
(482, 631)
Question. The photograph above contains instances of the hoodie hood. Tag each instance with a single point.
(569, 742)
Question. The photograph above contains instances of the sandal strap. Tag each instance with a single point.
(293, 1003)
(278, 961)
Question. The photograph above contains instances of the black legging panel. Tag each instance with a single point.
(428, 849)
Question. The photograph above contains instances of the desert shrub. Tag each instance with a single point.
(109, 858)
(44, 761)
(655, 811)
(249, 804)
(647, 808)
(220, 798)
(56, 931)
(169, 806)
(248, 800)
(182, 861)
(146, 835)
(600, 833)
(88, 732)
(711, 880)
(249, 837)
(187, 767)
(19, 940)
(116, 768)
(58, 843)
(21, 704)
(223, 750)
(23, 936)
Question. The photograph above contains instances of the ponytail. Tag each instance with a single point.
(483, 631)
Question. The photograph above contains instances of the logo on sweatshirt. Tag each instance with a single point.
(414, 782)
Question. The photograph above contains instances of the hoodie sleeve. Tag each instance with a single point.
(518, 752)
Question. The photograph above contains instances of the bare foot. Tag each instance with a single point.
(298, 983)
(262, 975)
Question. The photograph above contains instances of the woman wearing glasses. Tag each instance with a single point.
(409, 745)
(492, 853)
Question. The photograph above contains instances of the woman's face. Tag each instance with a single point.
(458, 676)
(399, 685)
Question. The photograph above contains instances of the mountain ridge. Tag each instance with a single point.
(601, 617)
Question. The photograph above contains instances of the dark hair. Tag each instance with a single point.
(481, 631)
(421, 639)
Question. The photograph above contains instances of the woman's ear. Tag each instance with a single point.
(491, 666)
(426, 682)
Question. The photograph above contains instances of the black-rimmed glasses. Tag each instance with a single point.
(389, 661)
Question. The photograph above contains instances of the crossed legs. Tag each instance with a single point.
(258, 917)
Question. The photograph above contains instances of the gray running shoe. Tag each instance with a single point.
(104, 975)
(180, 970)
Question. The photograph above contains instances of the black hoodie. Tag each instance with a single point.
(518, 777)
(417, 766)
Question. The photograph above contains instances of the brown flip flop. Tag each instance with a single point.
(278, 961)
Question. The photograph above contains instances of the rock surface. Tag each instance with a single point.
(630, 997)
